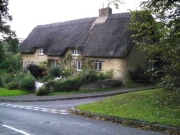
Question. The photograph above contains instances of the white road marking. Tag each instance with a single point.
(8, 104)
(15, 106)
(63, 111)
(21, 106)
(44, 110)
(54, 112)
(17, 130)
(35, 108)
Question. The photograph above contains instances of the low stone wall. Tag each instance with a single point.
(102, 84)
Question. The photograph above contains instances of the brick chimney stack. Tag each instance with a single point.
(105, 12)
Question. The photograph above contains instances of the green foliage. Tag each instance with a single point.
(73, 83)
(42, 91)
(51, 85)
(12, 85)
(4, 16)
(55, 71)
(27, 83)
(140, 76)
(12, 44)
(155, 106)
(11, 62)
(1, 52)
(156, 31)
(70, 84)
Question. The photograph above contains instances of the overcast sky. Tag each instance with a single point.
(27, 14)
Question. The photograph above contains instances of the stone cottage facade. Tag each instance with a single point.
(104, 41)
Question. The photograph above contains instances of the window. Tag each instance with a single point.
(98, 66)
(78, 65)
(41, 51)
(53, 63)
(76, 51)
(151, 64)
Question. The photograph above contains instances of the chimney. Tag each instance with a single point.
(104, 12)
(103, 15)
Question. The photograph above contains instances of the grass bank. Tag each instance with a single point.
(6, 92)
(154, 106)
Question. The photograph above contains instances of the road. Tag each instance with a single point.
(52, 118)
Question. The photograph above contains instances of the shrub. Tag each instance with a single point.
(139, 76)
(27, 83)
(55, 71)
(46, 78)
(42, 91)
(51, 85)
(36, 70)
(12, 85)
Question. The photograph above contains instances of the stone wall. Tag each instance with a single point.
(102, 84)
(35, 58)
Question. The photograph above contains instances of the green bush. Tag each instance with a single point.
(51, 85)
(74, 83)
(42, 91)
(2, 81)
(12, 85)
(140, 76)
(27, 83)
(55, 71)
(46, 78)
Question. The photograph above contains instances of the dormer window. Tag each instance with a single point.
(41, 51)
(75, 51)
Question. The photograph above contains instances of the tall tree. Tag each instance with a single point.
(157, 31)
(4, 17)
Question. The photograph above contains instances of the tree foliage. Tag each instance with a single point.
(4, 17)
(9, 43)
(157, 31)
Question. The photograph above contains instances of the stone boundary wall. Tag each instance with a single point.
(101, 84)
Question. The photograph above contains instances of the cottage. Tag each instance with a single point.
(105, 41)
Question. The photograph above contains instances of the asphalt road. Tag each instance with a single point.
(52, 118)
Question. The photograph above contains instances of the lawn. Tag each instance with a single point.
(6, 92)
(155, 106)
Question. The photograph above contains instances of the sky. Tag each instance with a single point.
(27, 14)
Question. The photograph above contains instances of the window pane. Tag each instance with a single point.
(96, 66)
(100, 66)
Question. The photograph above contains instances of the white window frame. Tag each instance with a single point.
(99, 66)
(79, 65)
(76, 51)
(41, 51)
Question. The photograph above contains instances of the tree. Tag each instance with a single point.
(4, 17)
(157, 31)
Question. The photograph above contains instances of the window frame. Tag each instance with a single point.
(76, 51)
(79, 65)
(40, 51)
(99, 65)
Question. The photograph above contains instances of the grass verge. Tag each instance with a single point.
(154, 106)
(6, 92)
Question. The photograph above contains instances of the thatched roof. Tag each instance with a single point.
(108, 39)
